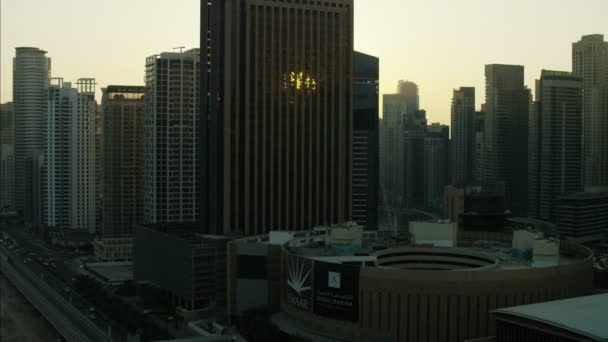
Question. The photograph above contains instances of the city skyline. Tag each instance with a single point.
(419, 54)
(220, 169)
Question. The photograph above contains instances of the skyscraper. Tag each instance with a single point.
(392, 153)
(69, 177)
(599, 108)
(409, 90)
(505, 135)
(402, 147)
(463, 135)
(276, 121)
(436, 167)
(478, 125)
(414, 171)
(7, 123)
(7, 156)
(365, 140)
(555, 143)
(590, 61)
(31, 71)
(123, 155)
(171, 123)
(98, 167)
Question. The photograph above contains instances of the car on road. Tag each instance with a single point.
(92, 316)
(146, 311)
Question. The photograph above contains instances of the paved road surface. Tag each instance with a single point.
(20, 321)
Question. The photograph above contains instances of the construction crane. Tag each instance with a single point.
(181, 48)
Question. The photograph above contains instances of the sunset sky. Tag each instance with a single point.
(439, 44)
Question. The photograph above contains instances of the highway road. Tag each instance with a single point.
(48, 294)
(58, 277)
(21, 321)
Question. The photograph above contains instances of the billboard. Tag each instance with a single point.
(336, 291)
(297, 275)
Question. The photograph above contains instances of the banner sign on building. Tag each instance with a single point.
(337, 291)
(298, 282)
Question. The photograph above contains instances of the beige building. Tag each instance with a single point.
(113, 249)
(453, 202)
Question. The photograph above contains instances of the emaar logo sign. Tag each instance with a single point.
(299, 282)
(298, 276)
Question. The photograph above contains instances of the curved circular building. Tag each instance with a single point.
(342, 284)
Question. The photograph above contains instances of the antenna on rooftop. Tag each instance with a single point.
(181, 48)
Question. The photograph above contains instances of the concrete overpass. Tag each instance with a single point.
(73, 325)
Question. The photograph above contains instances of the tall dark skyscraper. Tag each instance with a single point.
(436, 163)
(555, 154)
(505, 147)
(463, 135)
(414, 172)
(7, 156)
(478, 126)
(276, 114)
(365, 140)
(123, 156)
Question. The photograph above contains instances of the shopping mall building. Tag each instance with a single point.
(340, 283)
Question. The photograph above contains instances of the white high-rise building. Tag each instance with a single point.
(31, 71)
(69, 184)
(170, 137)
(590, 61)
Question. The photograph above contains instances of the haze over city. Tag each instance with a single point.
(303, 170)
(440, 45)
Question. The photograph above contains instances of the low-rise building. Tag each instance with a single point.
(584, 216)
(388, 289)
(113, 249)
(435, 233)
(476, 206)
(189, 265)
(70, 238)
(573, 319)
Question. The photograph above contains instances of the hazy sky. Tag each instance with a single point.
(439, 44)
